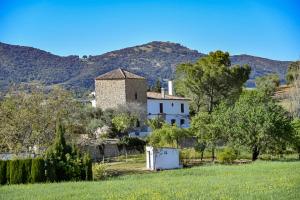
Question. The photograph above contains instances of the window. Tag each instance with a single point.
(138, 123)
(182, 122)
(135, 95)
(182, 108)
(161, 108)
(173, 121)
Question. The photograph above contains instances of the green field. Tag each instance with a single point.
(260, 180)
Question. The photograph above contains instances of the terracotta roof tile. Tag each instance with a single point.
(118, 74)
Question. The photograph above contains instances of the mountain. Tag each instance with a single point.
(152, 60)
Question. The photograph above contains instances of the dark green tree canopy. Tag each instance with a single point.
(211, 80)
(257, 122)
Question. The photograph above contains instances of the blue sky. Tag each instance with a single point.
(263, 28)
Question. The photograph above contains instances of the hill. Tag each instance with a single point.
(152, 60)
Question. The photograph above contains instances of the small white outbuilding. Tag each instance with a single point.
(162, 158)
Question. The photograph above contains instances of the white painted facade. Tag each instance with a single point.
(173, 111)
(162, 158)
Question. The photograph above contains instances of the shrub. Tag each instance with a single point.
(3, 168)
(26, 170)
(132, 143)
(64, 162)
(16, 171)
(99, 171)
(8, 172)
(87, 168)
(228, 155)
(38, 170)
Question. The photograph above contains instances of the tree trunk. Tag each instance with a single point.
(255, 153)
(202, 153)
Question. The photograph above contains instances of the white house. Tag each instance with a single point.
(162, 158)
(173, 109)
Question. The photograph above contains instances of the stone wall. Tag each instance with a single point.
(136, 86)
(109, 93)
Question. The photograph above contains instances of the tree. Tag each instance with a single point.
(64, 161)
(157, 86)
(293, 79)
(211, 80)
(257, 122)
(293, 72)
(28, 117)
(296, 141)
(155, 123)
(167, 135)
(268, 83)
(123, 123)
(208, 129)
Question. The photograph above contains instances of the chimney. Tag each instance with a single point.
(163, 93)
(170, 87)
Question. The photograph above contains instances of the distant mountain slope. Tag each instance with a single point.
(152, 60)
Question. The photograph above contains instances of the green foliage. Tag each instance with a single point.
(87, 170)
(99, 171)
(227, 155)
(211, 80)
(26, 170)
(38, 170)
(28, 118)
(123, 123)
(167, 135)
(257, 122)
(296, 141)
(208, 127)
(16, 171)
(293, 72)
(268, 83)
(3, 168)
(155, 123)
(132, 143)
(157, 86)
(64, 162)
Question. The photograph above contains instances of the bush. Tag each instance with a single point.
(87, 168)
(38, 170)
(99, 171)
(26, 170)
(228, 155)
(16, 171)
(3, 168)
(132, 143)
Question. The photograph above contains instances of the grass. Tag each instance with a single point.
(259, 180)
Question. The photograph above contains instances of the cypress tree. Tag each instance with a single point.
(15, 171)
(38, 170)
(3, 178)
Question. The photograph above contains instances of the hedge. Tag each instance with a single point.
(16, 171)
(26, 170)
(3, 172)
(38, 170)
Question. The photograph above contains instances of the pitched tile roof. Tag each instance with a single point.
(118, 74)
(157, 95)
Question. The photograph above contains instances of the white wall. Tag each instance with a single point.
(162, 158)
(172, 112)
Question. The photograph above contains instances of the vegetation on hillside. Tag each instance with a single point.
(152, 60)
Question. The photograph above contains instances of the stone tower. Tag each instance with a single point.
(119, 87)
